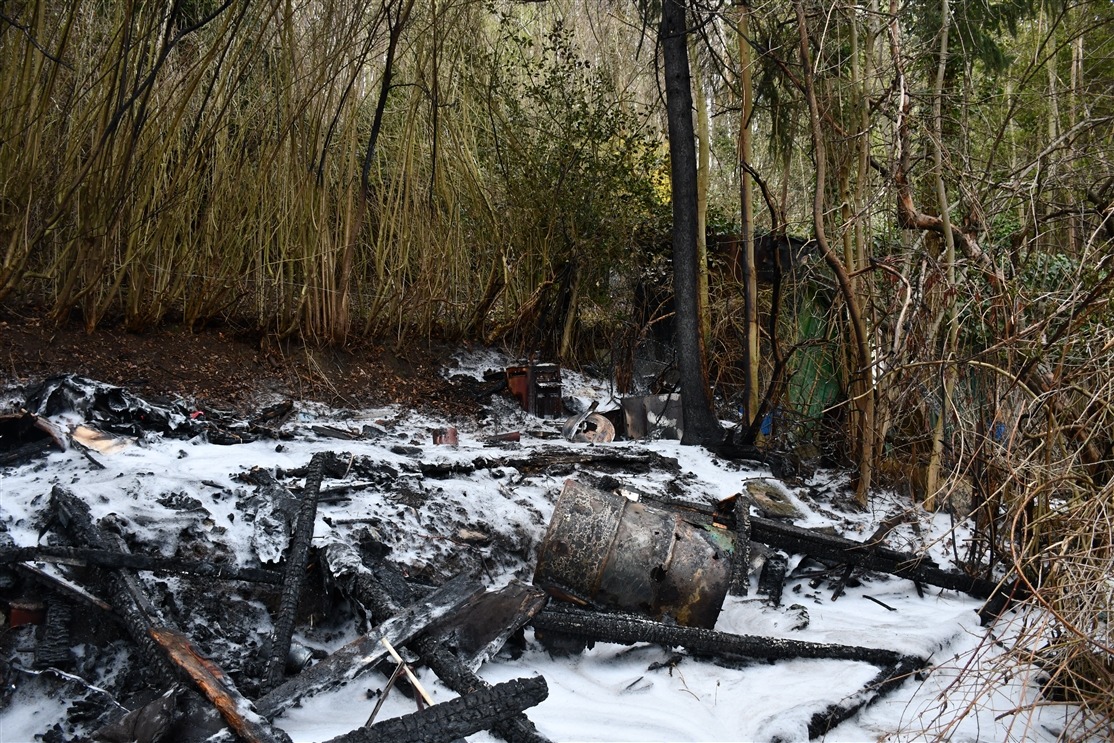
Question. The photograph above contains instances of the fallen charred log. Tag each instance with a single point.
(627, 629)
(797, 540)
(456, 718)
(83, 556)
(535, 462)
(886, 681)
(740, 570)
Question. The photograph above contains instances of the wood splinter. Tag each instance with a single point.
(406, 669)
(237, 711)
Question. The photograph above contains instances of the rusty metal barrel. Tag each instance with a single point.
(604, 550)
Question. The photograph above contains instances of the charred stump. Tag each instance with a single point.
(296, 559)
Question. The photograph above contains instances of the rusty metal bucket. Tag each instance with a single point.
(604, 550)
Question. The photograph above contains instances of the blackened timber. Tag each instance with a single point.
(217, 687)
(456, 718)
(107, 559)
(129, 599)
(886, 681)
(626, 629)
(485, 623)
(383, 590)
(771, 581)
(740, 567)
(365, 652)
(53, 649)
(296, 559)
(796, 540)
(627, 461)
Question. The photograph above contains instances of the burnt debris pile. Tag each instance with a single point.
(173, 613)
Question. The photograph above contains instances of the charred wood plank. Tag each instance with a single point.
(485, 623)
(627, 461)
(217, 687)
(740, 568)
(365, 652)
(626, 629)
(295, 573)
(886, 681)
(382, 588)
(771, 582)
(797, 540)
(82, 556)
(455, 718)
(53, 649)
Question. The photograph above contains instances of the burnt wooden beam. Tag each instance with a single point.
(888, 679)
(627, 461)
(627, 629)
(295, 573)
(740, 566)
(382, 588)
(363, 653)
(83, 556)
(797, 540)
(217, 688)
(456, 718)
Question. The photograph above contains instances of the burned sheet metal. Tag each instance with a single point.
(604, 550)
(589, 427)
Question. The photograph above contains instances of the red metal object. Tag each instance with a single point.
(537, 387)
(26, 611)
(519, 385)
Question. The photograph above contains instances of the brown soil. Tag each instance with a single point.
(226, 369)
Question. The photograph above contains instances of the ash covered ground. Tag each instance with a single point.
(185, 481)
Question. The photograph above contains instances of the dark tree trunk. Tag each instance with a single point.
(701, 425)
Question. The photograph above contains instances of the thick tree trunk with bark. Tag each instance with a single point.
(701, 424)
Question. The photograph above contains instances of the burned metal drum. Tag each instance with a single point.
(604, 550)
